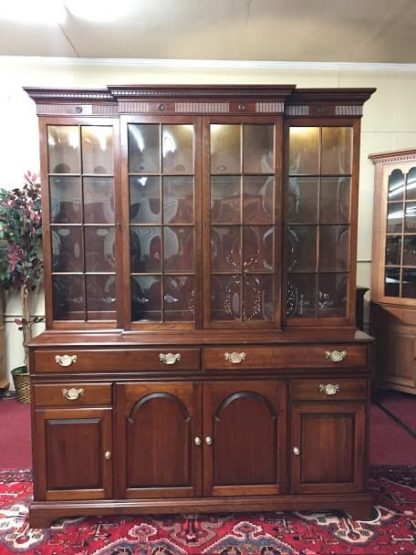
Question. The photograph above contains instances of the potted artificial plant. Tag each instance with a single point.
(20, 256)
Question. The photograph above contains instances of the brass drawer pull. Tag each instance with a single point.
(329, 388)
(169, 358)
(336, 356)
(235, 358)
(66, 360)
(73, 394)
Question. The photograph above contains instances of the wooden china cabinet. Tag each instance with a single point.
(201, 352)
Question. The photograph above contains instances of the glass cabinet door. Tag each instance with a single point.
(82, 222)
(317, 221)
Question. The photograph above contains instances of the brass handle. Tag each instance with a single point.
(66, 360)
(107, 455)
(169, 358)
(336, 356)
(72, 394)
(296, 451)
(198, 441)
(208, 440)
(329, 388)
(235, 358)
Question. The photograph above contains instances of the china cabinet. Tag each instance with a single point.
(393, 271)
(201, 351)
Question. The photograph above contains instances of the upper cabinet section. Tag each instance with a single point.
(199, 207)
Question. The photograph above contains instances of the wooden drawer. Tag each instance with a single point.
(72, 394)
(109, 360)
(285, 356)
(330, 389)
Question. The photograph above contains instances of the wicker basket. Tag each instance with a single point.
(21, 380)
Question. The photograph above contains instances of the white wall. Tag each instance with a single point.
(389, 120)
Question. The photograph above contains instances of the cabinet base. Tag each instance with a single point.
(358, 506)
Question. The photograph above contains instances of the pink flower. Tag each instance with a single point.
(14, 256)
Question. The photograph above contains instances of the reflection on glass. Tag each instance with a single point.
(334, 204)
(409, 250)
(179, 298)
(68, 298)
(258, 248)
(333, 248)
(225, 249)
(332, 294)
(409, 283)
(392, 282)
(303, 150)
(393, 250)
(67, 255)
(303, 200)
(258, 299)
(411, 185)
(225, 148)
(301, 245)
(225, 297)
(301, 295)
(101, 297)
(336, 150)
(178, 148)
(179, 249)
(396, 186)
(225, 199)
(258, 144)
(145, 200)
(145, 249)
(63, 149)
(144, 148)
(258, 200)
(98, 200)
(146, 302)
(99, 249)
(395, 215)
(97, 149)
(410, 217)
(65, 199)
(178, 200)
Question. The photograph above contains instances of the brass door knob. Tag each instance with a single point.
(197, 441)
(296, 451)
(208, 440)
(107, 455)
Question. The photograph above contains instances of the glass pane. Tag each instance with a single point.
(178, 200)
(226, 249)
(333, 248)
(303, 200)
(258, 146)
(145, 249)
(411, 185)
(99, 249)
(145, 200)
(67, 255)
(301, 295)
(225, 200)
(392, 282)
(225, 149)
(393, 248)
(144, 148)
(410, 217)
(68, 298)
(395, 217)
(302, 248)
(409, 251)
(332, 295)
(336, 150)
(258, 244)
(63, 149)
(179, 249)
(98, 200)
(258, 301)
(178, 148)
(225, 297)
(258, 200)
(396, 186)
(97, 149)
(101, 297)
(409, 283)
(334, 204)
(304, 150)
(146, 302)
(65, 200)
(179, 298)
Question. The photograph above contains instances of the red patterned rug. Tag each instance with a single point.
(392, 532)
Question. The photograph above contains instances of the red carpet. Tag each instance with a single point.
(392, 532)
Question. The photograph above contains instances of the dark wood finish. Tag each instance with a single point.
(196, 429)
